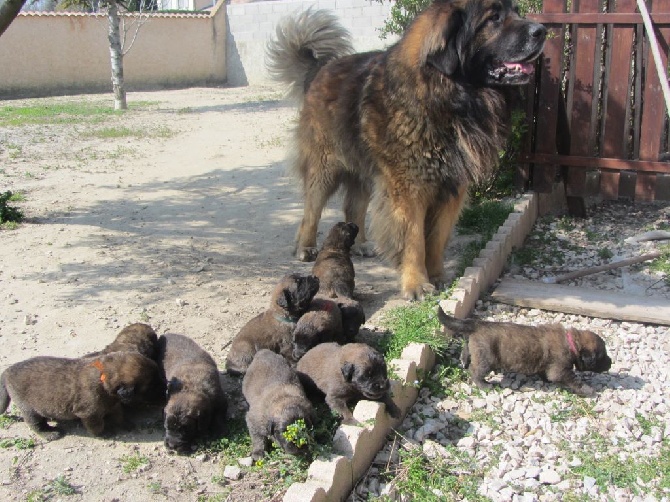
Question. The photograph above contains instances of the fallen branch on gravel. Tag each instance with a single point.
(600, 268)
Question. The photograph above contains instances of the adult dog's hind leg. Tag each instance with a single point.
(319, 187)
(356, 201)
(439, 226)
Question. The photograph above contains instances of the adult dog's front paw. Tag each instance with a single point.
(417, 291)
(306, 253)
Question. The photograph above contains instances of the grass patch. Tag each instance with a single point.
(130, 463)
(484, 218)
(116, 132)
(418, 477)
(59, 487)
(7, 419)
(662, 263)
(10, 214)
(412, 323)
(609, 469)
(18, 443)
(53, 113)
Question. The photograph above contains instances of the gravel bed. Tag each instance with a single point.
(527, 440)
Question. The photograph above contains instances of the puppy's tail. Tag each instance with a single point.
(4, 395)
(304, 43)
(456, 327)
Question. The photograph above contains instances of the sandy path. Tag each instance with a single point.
(188, 233)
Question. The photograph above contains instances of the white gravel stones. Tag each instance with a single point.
(536, 442)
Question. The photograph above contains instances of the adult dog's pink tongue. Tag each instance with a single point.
(527, 68)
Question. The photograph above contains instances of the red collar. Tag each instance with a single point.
(571, 342)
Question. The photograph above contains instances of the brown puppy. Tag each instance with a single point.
(90, 389)
(345, 374)
(353, 317)
(333, 265)
(321, 323)
(548, 350)
(196, 404)
(137, 337)
(276, 400)
(273, 329)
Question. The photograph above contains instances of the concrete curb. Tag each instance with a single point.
(488, 266)
(354, 447)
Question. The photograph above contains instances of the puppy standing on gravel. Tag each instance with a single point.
(276, 400)
(548, 350)
(196, 404)
(90, 389)
(333, 265)
(346, 374)
(273, 329)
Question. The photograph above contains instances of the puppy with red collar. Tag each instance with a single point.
(549, 350)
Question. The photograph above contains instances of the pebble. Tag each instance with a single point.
(232, 472)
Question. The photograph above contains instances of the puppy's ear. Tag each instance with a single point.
(284, 300)
(348, 371)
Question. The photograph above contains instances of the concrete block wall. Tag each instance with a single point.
(250, 25)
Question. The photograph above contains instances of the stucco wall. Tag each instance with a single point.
(51, 53)
(251, 24)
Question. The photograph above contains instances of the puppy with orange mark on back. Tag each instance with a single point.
(91, 389)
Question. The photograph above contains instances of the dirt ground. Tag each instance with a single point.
(187, 228)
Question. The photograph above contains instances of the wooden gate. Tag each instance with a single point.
(596, 117)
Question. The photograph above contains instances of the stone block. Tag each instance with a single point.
(420, 353)
(309, 491)
(404, 369)
(334, 475)
(348, 437)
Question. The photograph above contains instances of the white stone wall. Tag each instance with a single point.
(252, 24)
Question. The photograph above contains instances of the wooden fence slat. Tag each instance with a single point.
(654, 112)
(583, 82)
(549, 94)
(617, 114)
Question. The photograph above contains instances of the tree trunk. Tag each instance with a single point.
(8, 11)
(114, 36)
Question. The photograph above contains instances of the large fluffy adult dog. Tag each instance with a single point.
(410, 127)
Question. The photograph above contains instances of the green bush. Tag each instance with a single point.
(8, 213)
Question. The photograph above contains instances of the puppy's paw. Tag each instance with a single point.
(586, 391)
(393, 410)
(306, 253)
(52, 434)
(366, 249)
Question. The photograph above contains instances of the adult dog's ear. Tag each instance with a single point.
(446, 59)
(348, 371)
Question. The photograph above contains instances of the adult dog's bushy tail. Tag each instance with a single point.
(304, 43)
